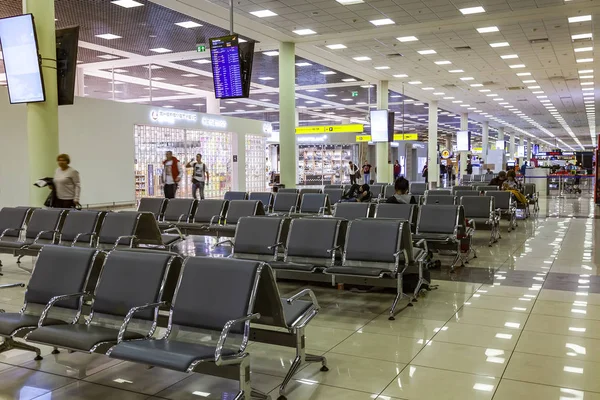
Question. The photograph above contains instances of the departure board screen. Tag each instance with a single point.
(227, 69)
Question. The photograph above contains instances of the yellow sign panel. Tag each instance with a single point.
(363, 138)
(347, 128)
(445, 153)
(405, 136)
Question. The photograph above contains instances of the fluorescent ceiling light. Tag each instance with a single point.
(509, 56)
(477, 85)
(485, 90)
(380, 22)
(582, 36)
(122, 71)
(428, 88)
(500, 44)
(426, 52)
(533, 87)
(303, 64)
(312, 90)
(439, 93)
(108, 36)
(127, 3)
(152, 66)
(263, 13)
(190, 75)
(190, 85)
(336, 46)
(448, 98)
(266, 78)
(348, 80)
(529, 81)
(586, 77)
(515, 66)
(108, 57)
(444, 62)
(586, 83)
(404, 39)
(415, 82)
(467, 78)
(272, 53)
(524, 74)
(383, 67)
(362, 58)
(492, 95)
(581, 18)
(400, 76)
(161, 50)
(582, 49)
(188, 24)
(586, 71)
(349, 2)
(456, 71)
(304, 32)
(472, 10)
(202, 61)
(158, 78)
(331, 95)
(488, 29)
(327, 73)
(585, 60)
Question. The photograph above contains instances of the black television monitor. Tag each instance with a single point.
(67, 40)
(232, 66)
(22, 63)
(382, 126)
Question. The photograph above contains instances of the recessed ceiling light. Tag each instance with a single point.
(152, 66)
(120, 71)
(331, 95)
(587, 89)
(380, 22)
(327, 73)
(509, 56)
(202, 61)
(382, 67)
(127, 3)
(250, 105)
(538, 92)
(426, 52)
(456, 71)
(190, 75)
(266, 78)
(158, 78)
(581, 18)
(515, 66)
(272, 53)
(188, 24)
(336, 46)
(312, 90)
(586, 77)
(161, 50)
(367, 86)
(303, 64)
(190, 85)
(586, 71)
(439, 93)
(477, 85)
(444, 62)
(582, 36)
(361, 58)
(472, 10)
(304, 32)
(400, 76)
(349, 2)
(529, 81)
(492, 95)
(348, 80)
(488, 29)
(467, 78)
(533, 87)
(582, 49)
(485, 90)
(415, 82)
(457, 101)
(585, 60)
(108, 36)
(500, 44)
(428, 88)
(449, 98)
(108, 57)
(346, 99)
(524, 74)
(404, 39)
(198, 104)
(542, 97)
(263, 13)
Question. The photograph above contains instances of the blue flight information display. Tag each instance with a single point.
(226, 65)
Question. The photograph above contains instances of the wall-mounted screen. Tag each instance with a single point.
(382, 126)
(67, 40)
(232, 66)
(463, 141)
(21, 61)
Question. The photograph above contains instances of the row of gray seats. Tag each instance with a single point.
(218, 296)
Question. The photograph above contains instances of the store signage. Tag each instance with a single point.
(172, 116)
(312, 130)
(405, 136)
(213, 123)
(311, 139)
(445, 153)
(363, 138)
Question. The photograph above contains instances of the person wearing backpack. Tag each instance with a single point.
(200, 176)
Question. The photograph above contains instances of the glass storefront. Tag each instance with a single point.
(324, 164)
(256, 169)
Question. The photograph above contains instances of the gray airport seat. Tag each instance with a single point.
(114, 299)
(460, 188)
(487, 188)
(418, 188)
(505, 205)
(118, 230)
(335, 194)
(488, 177)
(438, 192)
(304, 191)
(232, 195)
(215, 295)
(260, 238)
(57, 271)
(314, 203)
(155, 205)
(351, 211)
(530, 191)
(265, 197)
(373, 253)
(377, 191)
(443, 199)
(208, 211)
(236, 210)
(333, 186)
(443, 228)
(286, 203)
(288, 190)
(480, 211)
(177, 211)
(389, 191)
(460, 193)
(406, 212)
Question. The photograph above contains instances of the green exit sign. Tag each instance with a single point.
(354, 94)
(201, 48)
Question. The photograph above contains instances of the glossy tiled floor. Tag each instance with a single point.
(521, 321)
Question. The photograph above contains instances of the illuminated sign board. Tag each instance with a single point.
(312, 130)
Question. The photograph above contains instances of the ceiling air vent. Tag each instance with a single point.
(515, 88)
(463, 48)
(588, 39)
(394, 55)
(449, 85)
(542, 40)
(488, 83)
(522, 100)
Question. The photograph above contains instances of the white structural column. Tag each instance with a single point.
(485, 138)
(432, 146)
(287, 114)
(464, 126)
(213, 105)
(529, 150)
(79, 83)
(511, 148)
(382, 150)
(449, 142)
(501, 135)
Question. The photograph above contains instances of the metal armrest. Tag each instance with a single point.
(219, 219)
(132, 237)
(322, 210)
(293, 209)
(92, 235)
(12, 285)
(37, 237)
(334, 249)
(219, 244)
(129, 315)
(276, 245)
(225, 332)
(186, 216)
(4, 232)
(302, 293)
(175, 229)
(55, 300)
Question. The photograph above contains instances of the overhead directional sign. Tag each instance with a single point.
(363, 138)
(311, 130)
(405, 136)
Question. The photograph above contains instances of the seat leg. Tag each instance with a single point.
(311, 358)
(10, 344)
(399, 295)
(245, 390)
(19, 259)
(288, 377)
(257, 394)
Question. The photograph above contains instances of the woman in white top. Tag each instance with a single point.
(67, 185)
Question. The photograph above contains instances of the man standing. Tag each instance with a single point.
(352, 170)
(200, 177)
(172, 172)
(366, 170)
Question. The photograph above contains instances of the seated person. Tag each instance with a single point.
(357, 193)
(499, 180)
(364, 194)
(351, 193)
(401, 196)
(510, 183)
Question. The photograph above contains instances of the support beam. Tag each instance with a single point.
(382, 150)
(485, 138)
(464, 126)
(432, 146)
(511, 147)
(287, 114)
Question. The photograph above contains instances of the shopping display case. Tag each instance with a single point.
(324, 164)
(256, 169)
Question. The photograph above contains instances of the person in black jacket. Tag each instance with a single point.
(401, 196)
